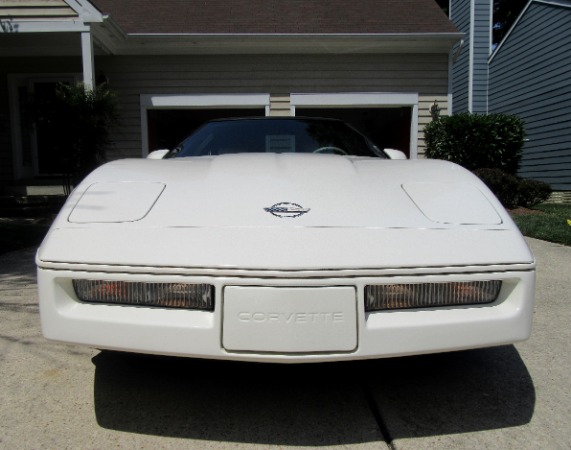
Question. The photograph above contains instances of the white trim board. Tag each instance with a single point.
(354, 99)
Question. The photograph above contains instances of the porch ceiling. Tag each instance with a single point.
(40, 44)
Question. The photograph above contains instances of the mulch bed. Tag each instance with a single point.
(520, 211)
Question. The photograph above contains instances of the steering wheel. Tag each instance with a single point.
(331, 149)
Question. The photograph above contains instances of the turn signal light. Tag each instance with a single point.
(427, 295)
(162, 295)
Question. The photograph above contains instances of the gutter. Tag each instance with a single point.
(451, 35)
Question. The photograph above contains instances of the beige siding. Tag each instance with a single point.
(425, 102)
(280, 105)
(560, 197)
(36, 9)
(424, 74)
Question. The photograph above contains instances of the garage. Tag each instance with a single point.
(386, 127)
(167, 119)
(198, 61)
(168, 127)
(390, 120)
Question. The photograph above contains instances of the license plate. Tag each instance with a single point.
(289, 320)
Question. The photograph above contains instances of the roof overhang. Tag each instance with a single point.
(115, 42)
(109, 38)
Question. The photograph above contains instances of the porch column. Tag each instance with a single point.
(87, 57)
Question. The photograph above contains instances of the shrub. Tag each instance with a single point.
(81, 118)
(503, 185)
(532, 192)
(477, 141)
(513, 191)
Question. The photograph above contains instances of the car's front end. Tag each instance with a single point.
(285, 258)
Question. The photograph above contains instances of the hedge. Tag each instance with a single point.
(513, 191)
(477, 141)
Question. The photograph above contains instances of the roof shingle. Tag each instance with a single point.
(277, 16)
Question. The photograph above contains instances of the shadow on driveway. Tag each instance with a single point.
(313, 404)
(453, 393)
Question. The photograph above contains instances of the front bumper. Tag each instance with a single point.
(201, 334)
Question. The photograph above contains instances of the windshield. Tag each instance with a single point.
(276, 136)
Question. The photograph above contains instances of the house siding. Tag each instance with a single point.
(470, 70)
(529, 77)
(481, 52)
(280, 105)
(425, 102)
(460, 15)
(132, 77)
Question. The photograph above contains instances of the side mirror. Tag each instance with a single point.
(395, 154)
(157, 154)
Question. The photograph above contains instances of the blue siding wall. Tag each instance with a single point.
(460, 16)
(530, 76)
(481, 52)
(476, 47)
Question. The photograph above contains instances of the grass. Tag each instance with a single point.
(549, 225)
(21, 234)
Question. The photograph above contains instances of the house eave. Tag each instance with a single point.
(176, 44)
(561, 3)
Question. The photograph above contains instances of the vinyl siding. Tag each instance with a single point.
(470, 90)
(276, 75)
(425, 102)
(460, 16)
(529, 77)
(481, 50)
(280, 105)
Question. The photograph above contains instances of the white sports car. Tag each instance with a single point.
(284, 240)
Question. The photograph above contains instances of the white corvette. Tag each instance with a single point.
(284, 240)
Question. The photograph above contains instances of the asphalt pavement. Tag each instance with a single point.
(55, 396)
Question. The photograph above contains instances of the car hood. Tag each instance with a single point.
(270, 205)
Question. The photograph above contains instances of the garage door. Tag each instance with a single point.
(386, 127)
(168, 127)
(389, 119)
(166, 119)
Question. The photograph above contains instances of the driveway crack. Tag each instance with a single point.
(377, 414)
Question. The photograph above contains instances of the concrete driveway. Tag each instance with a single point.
(62, 396)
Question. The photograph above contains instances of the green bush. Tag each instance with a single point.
(513, 191)
(82, 119)
(532, 192)
(503, 185)
(477, 141)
